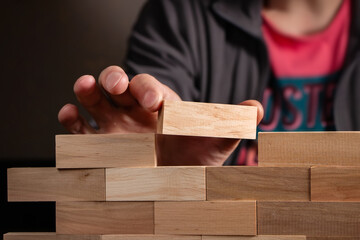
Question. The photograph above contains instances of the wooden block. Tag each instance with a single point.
(50, 184)
(335, 184)
(155, 184)
(258, 183)
(268, 237)
(78, 237)
(105, 218)
(149, 237)
(315, 219)
(205, 218)
(309, 149)
(127, 237)
(30, 236)
(333, 238)
(207, 120)
(105, 150)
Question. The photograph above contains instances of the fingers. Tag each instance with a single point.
(69, 117)
(93, 100)
(150, 93)
(260, 109)
(115, 82)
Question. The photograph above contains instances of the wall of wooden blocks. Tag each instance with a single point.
(109, 187)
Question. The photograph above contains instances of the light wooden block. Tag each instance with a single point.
(105, 150)
(316, 219)
(51, 184)
(258, 183)
(335, 184)
(206, 218)
(105, 218)
(156, 184)
(268, 237)
(127, 237)
(333, 238)
(78, 237)
(30, 236)
(309, 149)
(149, 237)
(207, 120)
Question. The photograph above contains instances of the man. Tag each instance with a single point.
(229, 51)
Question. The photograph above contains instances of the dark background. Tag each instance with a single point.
(44, 47)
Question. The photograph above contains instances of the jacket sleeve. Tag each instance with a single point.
(163, 44)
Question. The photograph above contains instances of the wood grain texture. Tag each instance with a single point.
(149, 237)
(258, 183)
(51, 184)
(155, 184)
(207, 120)
(268, 237)
(309, 149)
(105, 150)
(206, 218)
(335, 184)
(105, 218)
(315, 219)
(127, 237)
(333, 238)
(30, 236)
(78, 237)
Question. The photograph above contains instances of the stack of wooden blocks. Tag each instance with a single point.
(108, 187)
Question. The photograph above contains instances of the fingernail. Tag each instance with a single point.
(151, 98)
(112, 80)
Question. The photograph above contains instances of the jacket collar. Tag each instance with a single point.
(244, 14)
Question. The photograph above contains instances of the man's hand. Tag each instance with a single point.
(118, 106)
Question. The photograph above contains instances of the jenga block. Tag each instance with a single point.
(127, 237)
(309, 149)
(78, 237)
(333, 238)
(149, 237)
(258, 183)
(105, 150)
(30, 236)
(155, 184)
(50, 184)
(268, 237)
(205, 218)
(105, 218)
(335, 184)
(314, 219)
(207, 120)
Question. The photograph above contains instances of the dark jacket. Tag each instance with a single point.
(214, 51)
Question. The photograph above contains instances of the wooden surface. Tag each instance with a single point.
(206, 218)
(105, 218)
(105, 150)
(126, 237)
(207, 119)
(309, 218)
(30, 236)
(309, 149)
(149, 237)
(258, 183)
(333, 238)
(335, 184)
(155, 184)
(268, 237)
(51, 184)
